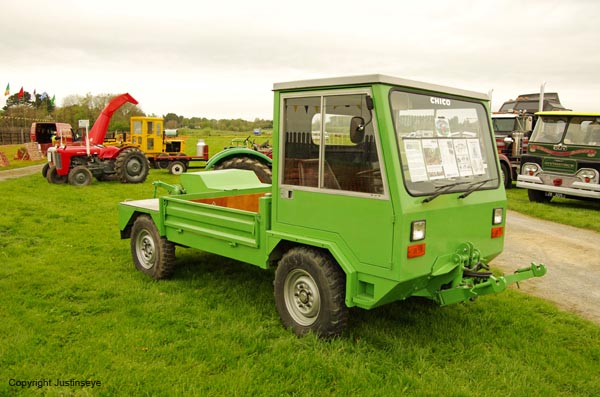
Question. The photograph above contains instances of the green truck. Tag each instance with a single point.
(563, 158)
(382, 189)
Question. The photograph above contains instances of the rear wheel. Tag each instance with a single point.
(132, 166)
(177, 167)
(262, 171)
(537, 196)
(152, 254)
(309, 293)
(80, 176)
(161, 162)
(53, 177)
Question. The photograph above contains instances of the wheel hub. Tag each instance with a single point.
(134, 167)
(302, 297)
(146, 251)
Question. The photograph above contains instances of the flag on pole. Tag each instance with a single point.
(21, 93)
(7, 90)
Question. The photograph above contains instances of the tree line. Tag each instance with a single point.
(21, 111)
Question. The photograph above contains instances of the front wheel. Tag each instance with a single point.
(80, 176)
(152, 254)
(506, 175)
(45, 169)
(53, 177)
(309, 293)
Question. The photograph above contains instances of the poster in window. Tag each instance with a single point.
(476, 157)
(462, 157)
(433, 159)
(415, 160)
(448, 158)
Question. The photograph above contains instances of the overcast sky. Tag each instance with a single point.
(219, 59)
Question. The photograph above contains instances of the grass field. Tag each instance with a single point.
(74, 309)
(578, 213)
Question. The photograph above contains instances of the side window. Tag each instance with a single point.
(137, 127)
(301, 152)
(330, 144)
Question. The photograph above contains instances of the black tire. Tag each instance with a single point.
(177, 167)
(53, 177)
(80, 176)
(132, 166)
(161, 164)
(537, 196)
(506, 175)
(152, 254)
(45, 170)
(309, 293)
(262, 170)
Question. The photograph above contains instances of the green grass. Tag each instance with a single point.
(578, 213)
(74, 307)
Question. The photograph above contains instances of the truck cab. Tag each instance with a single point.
(383, 189)
(512, 131)
(563, 158)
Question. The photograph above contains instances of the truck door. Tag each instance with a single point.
(331, 184)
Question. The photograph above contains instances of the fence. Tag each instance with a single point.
(14, 135)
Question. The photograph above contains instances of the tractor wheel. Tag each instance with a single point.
(53, 177)
(309, 293)
(152, 254)
(177, 167)
(506, 175)
(262, 171)
(80, 176)
(537, 196)
(45, 170)
(132, 166)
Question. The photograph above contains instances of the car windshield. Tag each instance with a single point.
(445, 144)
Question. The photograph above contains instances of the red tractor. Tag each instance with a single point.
(77, 163)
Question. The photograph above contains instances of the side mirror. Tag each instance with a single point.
(357, 129)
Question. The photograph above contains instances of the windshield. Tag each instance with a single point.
(583, 131)
(549, 130)
(445, 144)
(504, 125)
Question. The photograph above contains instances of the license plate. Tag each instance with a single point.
(558, 195)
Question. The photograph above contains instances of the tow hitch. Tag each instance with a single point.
(474, 283)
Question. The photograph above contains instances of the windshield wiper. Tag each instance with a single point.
(475, 186)
(442, 189)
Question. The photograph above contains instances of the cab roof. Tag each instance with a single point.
(567, 113)
(375, 79)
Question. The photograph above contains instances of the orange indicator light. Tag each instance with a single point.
(497, 231)
(416, 250)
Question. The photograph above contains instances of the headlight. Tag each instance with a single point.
(498, 216)
(417, 230)
(530, 169)
(588, 175)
